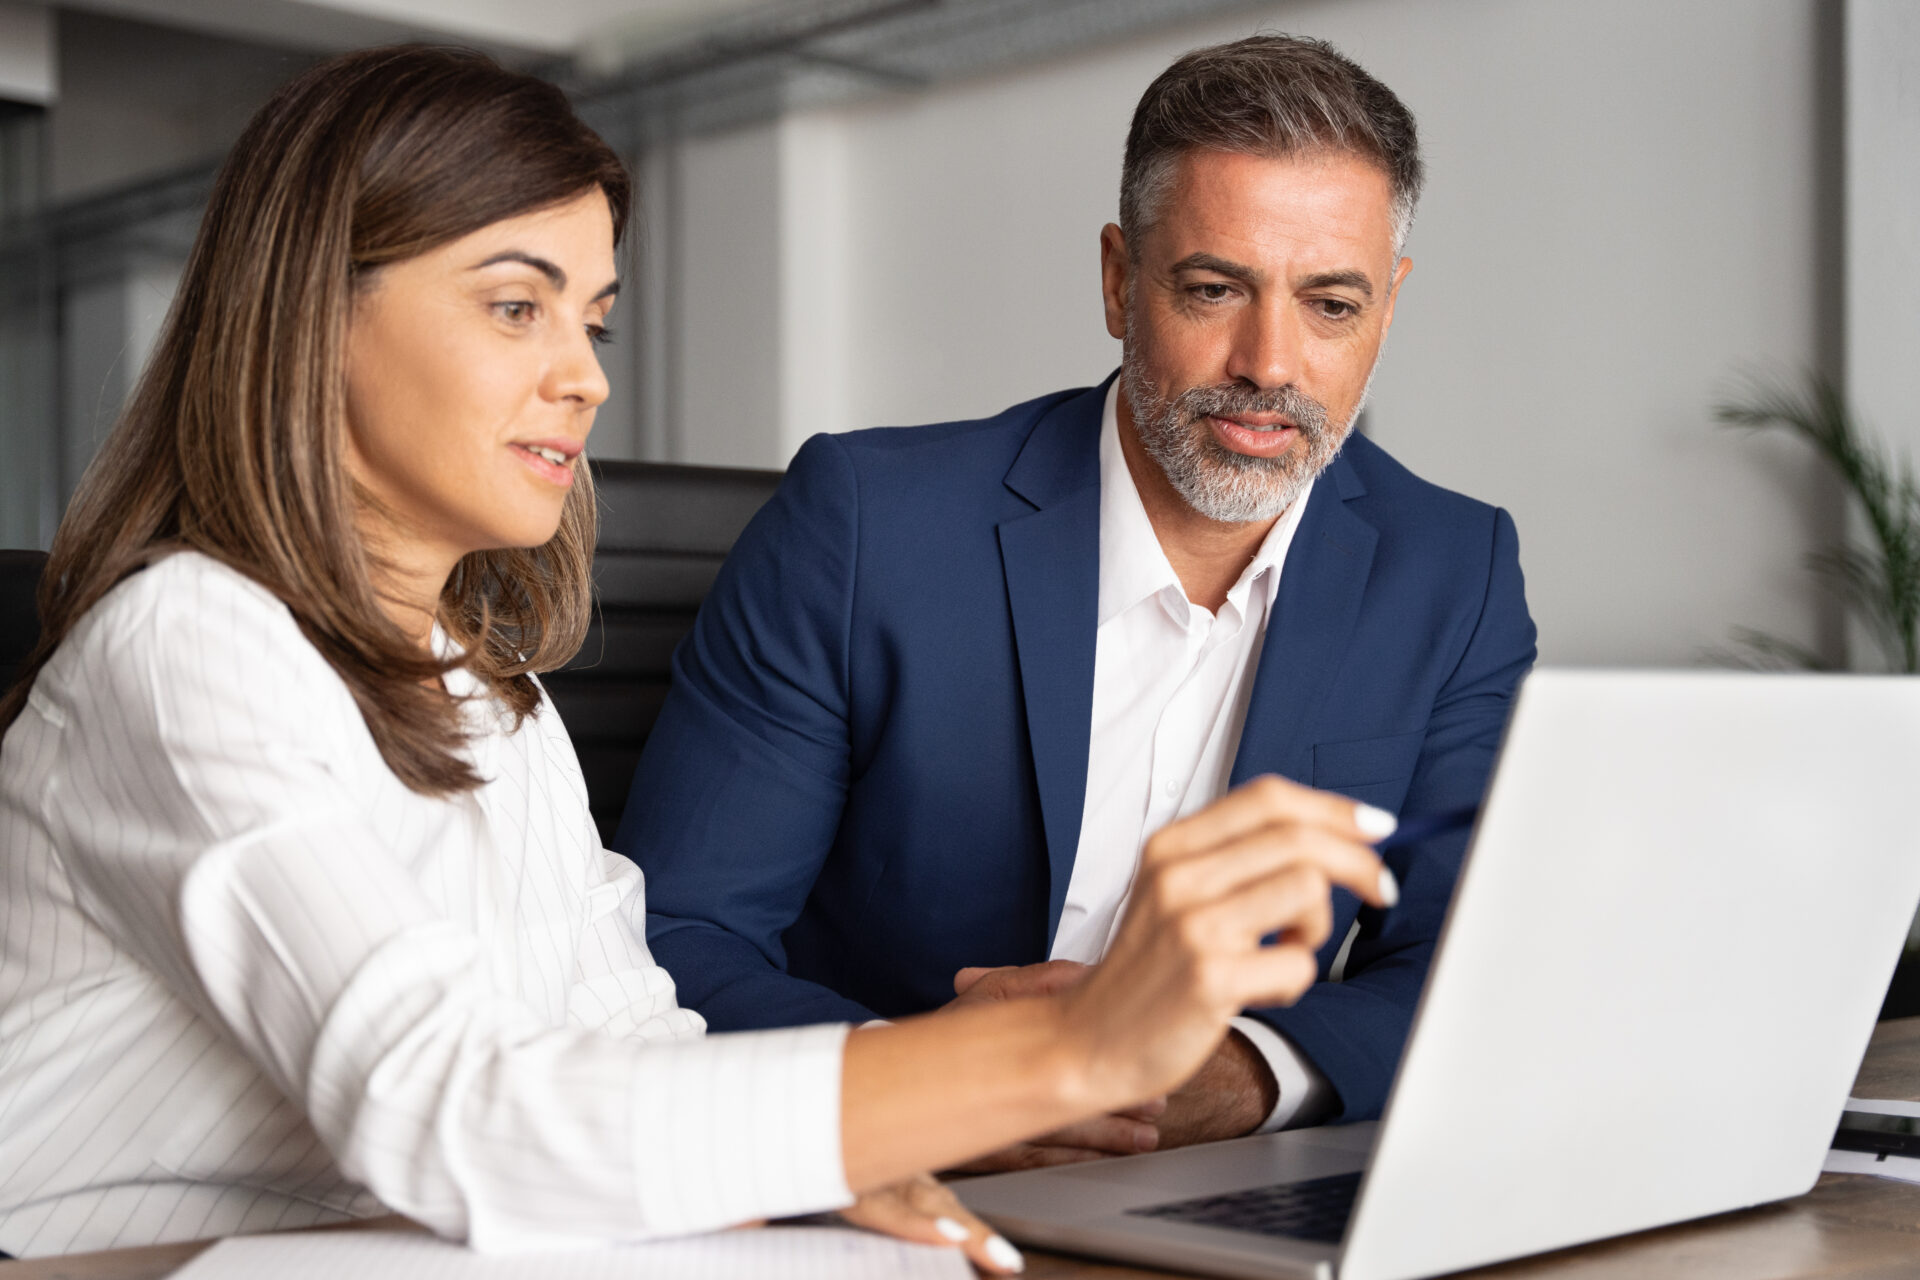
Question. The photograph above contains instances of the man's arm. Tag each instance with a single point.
(740, 789)
(1354, 1030)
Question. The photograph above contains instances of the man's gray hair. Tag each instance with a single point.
(1271, 95)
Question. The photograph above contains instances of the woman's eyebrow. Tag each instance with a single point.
(555, 276)
(551, 270)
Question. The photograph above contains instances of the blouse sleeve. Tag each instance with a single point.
(242, 870)
(620, 990)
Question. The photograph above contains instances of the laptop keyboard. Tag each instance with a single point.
(1314, 1210)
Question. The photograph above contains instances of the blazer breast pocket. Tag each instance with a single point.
(1374, 770)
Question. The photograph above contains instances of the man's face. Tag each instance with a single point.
(1251, 321)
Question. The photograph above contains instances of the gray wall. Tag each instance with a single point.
(135, 104)
(1629, 204)
(138, 100)
(1883, 216)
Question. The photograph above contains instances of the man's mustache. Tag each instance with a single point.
(1228, 400)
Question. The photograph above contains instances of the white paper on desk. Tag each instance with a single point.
(1899, 1168)
(769, 1253)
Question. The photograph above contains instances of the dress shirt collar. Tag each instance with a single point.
(459, 681)
(1133, 565)
(486, 716)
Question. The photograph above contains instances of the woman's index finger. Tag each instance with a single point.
(1265, 801)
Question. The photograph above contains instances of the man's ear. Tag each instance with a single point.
(1400, 270)
(1116, 269)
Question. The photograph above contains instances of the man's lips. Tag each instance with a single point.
(1257, 437)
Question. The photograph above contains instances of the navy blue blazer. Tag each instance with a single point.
(871, 766)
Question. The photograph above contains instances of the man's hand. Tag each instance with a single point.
(1124, 1133)
(1014, 981)
(1229, 1097)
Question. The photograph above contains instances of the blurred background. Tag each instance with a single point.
(865, 212)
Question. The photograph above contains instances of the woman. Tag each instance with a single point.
(306, 919)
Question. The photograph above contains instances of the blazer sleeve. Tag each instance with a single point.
(740, 789)
(1354, 1030)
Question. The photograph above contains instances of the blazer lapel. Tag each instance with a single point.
(1051, 557)
(1321, 586)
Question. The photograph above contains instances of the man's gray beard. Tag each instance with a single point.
(1215, 481)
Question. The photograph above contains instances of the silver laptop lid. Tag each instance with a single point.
(1660, 969)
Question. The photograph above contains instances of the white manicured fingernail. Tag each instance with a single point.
(950, 1229)
(1374, 824)
(1389, 887)
(1001, 1250)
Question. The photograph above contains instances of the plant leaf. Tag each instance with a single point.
(1881, 583)
(1761, 651)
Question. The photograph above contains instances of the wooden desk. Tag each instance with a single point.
(1848, 1226)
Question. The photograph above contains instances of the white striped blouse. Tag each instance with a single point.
(249, 980)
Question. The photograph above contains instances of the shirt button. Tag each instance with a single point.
(1172, 789)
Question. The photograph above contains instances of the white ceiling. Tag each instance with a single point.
(547, 26)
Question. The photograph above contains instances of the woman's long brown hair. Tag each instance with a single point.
(233, 443)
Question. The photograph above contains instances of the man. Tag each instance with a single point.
(953, 676)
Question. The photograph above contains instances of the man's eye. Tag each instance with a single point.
(1337, 308)
(517, 312)
(1213, 292)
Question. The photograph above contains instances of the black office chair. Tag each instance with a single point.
(664, 531)
(19, 619)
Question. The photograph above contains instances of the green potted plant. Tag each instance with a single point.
(1876, 579)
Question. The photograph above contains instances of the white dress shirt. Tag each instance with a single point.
(249, 980)
(1170, 687)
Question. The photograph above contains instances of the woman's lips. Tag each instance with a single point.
(553, 472)
(1268, 443)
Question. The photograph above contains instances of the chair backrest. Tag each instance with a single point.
(19, 619)
(664, 532)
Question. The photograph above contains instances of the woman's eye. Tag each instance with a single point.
(600, 333)
(516, 312)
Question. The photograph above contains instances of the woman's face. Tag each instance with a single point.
(472, 381)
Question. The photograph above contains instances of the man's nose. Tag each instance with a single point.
(1266, 347)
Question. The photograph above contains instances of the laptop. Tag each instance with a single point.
(1679, 912)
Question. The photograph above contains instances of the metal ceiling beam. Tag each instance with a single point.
(751, 67)
(759, 64)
